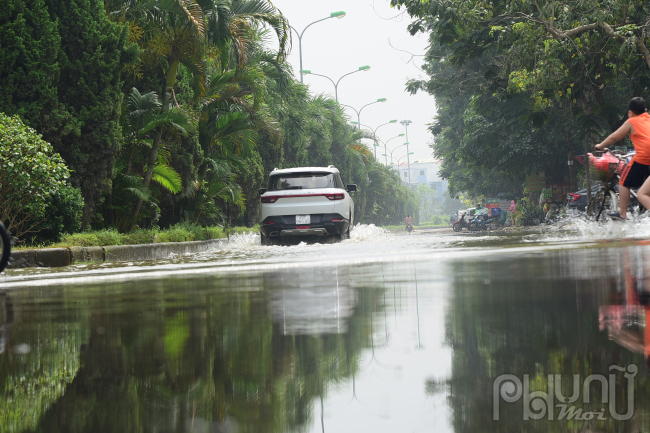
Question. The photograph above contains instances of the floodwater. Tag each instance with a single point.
(380, 333)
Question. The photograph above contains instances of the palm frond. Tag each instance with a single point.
(167, 177)
(174, 117)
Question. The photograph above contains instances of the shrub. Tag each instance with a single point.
(30, 172)
(531, 213)
(63, 214)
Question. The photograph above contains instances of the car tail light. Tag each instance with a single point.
(269, 222)
(270, 199)
(574, 197)
(335, 196)
(337, 219)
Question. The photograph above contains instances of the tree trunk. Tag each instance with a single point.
(573, 172)
(153, 155)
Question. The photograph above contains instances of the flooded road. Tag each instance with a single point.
(426, 332)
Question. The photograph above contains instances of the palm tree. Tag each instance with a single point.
(185, 29)
(144, 118)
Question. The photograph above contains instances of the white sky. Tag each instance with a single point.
(335, 47)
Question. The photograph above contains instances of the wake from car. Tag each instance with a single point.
(368, 233)
(251, 241)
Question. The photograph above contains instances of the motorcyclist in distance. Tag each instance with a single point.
(408, 220)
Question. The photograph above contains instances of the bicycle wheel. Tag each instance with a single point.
(604, 201)
(5, 247)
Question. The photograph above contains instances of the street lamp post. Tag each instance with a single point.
(394, 149)
(398, 160)
(339, 15)
(406, 124)
(386, 148)
(361, 109)
(336, 85)
(374, 132)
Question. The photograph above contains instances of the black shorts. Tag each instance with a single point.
(634, 174)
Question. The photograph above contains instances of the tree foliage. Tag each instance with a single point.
(173, 111)
(523, 86)
(30, 172)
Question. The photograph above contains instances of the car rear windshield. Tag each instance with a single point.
(281, 182)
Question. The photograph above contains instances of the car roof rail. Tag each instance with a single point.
(330, 166)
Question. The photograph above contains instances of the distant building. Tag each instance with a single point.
(425, 172)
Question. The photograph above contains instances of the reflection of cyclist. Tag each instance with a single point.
(624, 323)
(636, 172)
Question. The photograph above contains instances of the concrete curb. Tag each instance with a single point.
(58, 257)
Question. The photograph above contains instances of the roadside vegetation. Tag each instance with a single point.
(177, 233)
(174, 112)
(522, 87)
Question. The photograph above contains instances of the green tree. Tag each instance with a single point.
(29, 65)
(93, 53)
(30, 172)
(426, 202)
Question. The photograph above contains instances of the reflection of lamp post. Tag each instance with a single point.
(417, 305)
(336, 85)
(339, 15)
(374, 132)
(406, 124)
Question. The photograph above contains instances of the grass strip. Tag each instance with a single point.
(177, 233)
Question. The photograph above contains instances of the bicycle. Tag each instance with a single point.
(606, 198)
(5, 247)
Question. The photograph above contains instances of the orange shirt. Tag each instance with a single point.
(641, 137)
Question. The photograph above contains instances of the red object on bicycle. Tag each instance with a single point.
(574, 197)
(606, 165)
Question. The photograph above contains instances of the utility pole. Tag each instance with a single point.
(406, 124)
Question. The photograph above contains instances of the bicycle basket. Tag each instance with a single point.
(605, 168)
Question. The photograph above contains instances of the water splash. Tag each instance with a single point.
(368, 233)
(578, 228)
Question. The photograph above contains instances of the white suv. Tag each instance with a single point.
(306, 202)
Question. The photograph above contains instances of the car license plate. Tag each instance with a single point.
(302, 219)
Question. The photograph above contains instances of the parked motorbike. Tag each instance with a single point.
(461, 224)
(484, 222)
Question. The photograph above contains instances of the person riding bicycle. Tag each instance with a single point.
(636, 172)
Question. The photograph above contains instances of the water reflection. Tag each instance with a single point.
(311, 302)
(394, 345)
(539, 315)
(210, 355)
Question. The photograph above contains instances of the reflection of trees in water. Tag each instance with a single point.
(37, 361)
(516, 318)
(188, 358)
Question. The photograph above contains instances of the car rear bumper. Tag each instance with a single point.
(320, 225)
